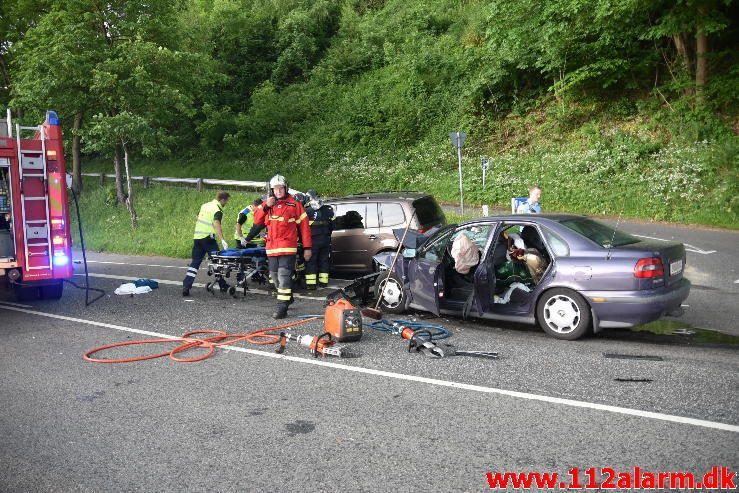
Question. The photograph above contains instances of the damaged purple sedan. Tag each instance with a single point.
(569, 274)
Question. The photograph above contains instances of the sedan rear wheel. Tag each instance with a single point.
(389, 290)
(563, 314)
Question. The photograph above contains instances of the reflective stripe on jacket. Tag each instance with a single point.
(285, 221)
(204, 224)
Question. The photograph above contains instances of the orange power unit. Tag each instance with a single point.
(343, 321)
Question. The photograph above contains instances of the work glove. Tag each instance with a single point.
(243, 242)
(307, 254)
(224, 244)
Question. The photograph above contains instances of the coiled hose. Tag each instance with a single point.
(188, 341)
(437, 332)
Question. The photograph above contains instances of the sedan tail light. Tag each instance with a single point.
(649, 268)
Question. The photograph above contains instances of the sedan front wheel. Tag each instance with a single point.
(563, 314)
(389, 290)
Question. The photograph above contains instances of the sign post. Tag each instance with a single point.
(485, 165)
(458, 142)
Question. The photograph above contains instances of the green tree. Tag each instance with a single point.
(142, 91)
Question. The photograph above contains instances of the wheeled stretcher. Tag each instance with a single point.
(245, 264)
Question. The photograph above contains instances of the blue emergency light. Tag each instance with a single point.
(52, 117)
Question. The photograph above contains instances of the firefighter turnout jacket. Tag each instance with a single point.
(285, 222)
(321, 224)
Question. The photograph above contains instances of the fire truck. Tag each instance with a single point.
(35, 238)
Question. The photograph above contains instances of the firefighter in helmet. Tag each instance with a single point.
(244, 221)
(208, 237)
(321, 220)
(286, 222)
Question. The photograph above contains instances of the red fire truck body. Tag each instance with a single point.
(35, 238)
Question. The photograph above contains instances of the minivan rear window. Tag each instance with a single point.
(428, 212)
(392, 214)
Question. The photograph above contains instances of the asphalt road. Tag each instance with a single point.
(249, 420)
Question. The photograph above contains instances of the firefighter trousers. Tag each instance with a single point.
(316, 269)
(281, 269)
(200, 249)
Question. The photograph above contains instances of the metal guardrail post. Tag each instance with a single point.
(146, 181)
(199, 185)
(102, 179)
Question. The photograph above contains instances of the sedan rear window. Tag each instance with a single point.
(600, 233)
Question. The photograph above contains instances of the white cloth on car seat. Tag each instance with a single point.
(502, 300)
(466, 254)
(130, 288)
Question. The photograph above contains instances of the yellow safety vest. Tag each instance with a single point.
(204, 224)
(247, 224)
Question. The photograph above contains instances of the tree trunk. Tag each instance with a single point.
(681, 46)
(701, 48)
(76, 164)
(129, 189)
(120, 196)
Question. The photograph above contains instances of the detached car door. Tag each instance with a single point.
(425, 272)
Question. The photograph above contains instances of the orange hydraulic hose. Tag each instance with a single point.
(187, 342)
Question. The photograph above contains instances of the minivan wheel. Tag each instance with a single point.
(394, 298)
(563, 314)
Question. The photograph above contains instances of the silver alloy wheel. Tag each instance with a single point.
(392, 292)
(561, 314)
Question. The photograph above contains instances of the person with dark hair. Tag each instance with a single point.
(531, 205)
(208, 237)
(245, 220)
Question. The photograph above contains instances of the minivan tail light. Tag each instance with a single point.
(649, 268)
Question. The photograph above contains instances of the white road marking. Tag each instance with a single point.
(156, 265)
(139, 265)
(196, 285)
(15, 304)
(688, 246)
(736, 282)
(413, 378)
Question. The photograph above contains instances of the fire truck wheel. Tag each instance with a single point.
(52, 291)
(26, 293)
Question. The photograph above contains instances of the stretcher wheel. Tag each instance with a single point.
(232, 291)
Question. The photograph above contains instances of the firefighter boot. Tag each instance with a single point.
(281, 311)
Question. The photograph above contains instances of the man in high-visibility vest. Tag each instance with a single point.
(208, 237)
(245, 221)
(321, 220)
(285, 220)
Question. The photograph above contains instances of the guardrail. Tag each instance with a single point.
(198, 182)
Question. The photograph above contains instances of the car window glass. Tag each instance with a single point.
(478, 233)
(350, 216)
(434, 250)
(557, 244)
(600, 233)
(392, 215)
(372, 219)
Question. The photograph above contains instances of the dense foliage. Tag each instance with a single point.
(611, 105)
